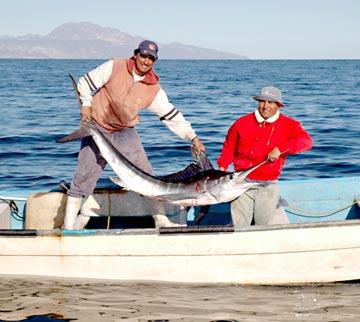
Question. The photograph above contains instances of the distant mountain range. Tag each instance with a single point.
(85, 40)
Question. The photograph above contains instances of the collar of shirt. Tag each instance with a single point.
(272, 119)
(150, 77)
(136, 77)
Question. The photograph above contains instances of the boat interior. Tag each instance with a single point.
(302, 201)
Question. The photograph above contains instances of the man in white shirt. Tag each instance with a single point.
(122, 87)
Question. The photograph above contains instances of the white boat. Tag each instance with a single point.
(316, 239)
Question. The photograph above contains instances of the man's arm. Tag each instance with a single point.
(91, 82)
(174, 120)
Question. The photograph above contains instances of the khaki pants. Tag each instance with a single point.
(91, 164)
(257, 206)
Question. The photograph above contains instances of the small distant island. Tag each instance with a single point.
(84, 40)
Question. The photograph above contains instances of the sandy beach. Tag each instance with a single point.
(94, 300)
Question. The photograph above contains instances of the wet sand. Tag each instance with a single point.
(94, 300)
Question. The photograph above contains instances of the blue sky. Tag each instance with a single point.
(259, 29)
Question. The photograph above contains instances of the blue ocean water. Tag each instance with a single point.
(38, 106)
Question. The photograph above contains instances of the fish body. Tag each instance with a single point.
(206, 187)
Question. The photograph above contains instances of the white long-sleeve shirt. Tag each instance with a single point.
(172, 118)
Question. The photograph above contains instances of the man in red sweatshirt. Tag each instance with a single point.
(265, 134)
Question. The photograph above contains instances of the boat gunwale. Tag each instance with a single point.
(175, 230)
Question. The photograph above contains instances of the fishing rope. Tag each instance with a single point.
(14, 210)
(303, 213)
(108, 216)
(298, 212)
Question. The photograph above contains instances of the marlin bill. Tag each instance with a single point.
(205, 186)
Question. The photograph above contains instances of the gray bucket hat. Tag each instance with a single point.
(271, 94)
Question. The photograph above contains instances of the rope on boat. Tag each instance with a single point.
(14, 210)
(303, 213)
(109, 214)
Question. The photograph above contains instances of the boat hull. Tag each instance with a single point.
(319, 242)
(273, 255)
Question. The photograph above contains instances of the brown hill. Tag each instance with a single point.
(85, 40)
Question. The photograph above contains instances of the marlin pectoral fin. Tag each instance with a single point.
(78, 134)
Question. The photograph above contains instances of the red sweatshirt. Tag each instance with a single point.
(249, 142)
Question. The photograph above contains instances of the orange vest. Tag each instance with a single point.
(117, 104)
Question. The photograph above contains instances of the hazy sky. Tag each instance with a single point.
(259, 29)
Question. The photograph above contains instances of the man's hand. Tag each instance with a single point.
(198, 145)
(274, 154)
(85, 113)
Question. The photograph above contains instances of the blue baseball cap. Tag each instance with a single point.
(148, 47)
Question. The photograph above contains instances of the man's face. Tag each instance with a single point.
(268, 109)
(143, 64)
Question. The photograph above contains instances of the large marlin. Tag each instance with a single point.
(206, 186)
